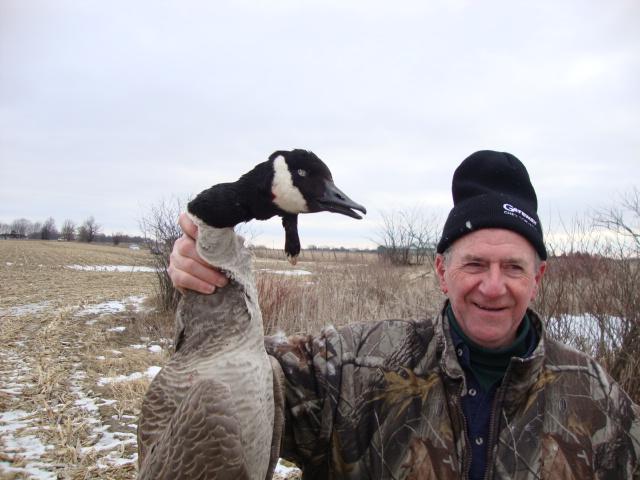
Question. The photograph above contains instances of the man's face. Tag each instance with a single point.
(490, 277)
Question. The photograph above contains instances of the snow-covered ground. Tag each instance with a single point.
(588, 329)
(113, 268)
(285, 272)
(26, 309)
(49, 335)
(150, 373)
(134, 302)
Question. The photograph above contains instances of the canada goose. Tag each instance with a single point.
(289, 183)
(209, 413)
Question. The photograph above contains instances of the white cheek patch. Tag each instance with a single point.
(287, 196)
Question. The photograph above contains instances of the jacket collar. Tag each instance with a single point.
(522, 374)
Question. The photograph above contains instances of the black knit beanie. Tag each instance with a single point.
(492, 190)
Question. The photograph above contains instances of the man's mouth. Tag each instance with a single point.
(489, 308)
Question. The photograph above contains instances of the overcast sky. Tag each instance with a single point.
(106, 108)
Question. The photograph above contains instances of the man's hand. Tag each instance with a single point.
(187, 270)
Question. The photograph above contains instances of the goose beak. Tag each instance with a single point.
(333, 200)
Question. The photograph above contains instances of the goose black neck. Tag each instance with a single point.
(227, 204)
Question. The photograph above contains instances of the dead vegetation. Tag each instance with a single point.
(59, 345)
(339, 294)
(56, 331)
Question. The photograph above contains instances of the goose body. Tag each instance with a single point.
(211, 413)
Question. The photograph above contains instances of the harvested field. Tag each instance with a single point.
(80, 346)
(70, 338)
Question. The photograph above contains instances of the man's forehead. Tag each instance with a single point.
(519, 259)
(491, 242)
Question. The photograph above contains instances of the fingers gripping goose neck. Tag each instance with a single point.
(223, 249)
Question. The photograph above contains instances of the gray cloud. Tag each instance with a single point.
(108, 107)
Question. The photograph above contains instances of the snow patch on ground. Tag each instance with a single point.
(108, 440)
(284, 471)
(112, 268)
(13, 420)
(150, 373)
(152, 348)
(285, 272)
(15, 373)
(27, 447)
(135, 302)
(589, 327)
(32, 469)
(104, 438)
(26, 309)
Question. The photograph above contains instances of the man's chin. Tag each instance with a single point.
(491, 338)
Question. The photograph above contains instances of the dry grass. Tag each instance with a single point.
(339, 294)
(50, 362)
(61, 356)
(53, 358)
(318, 256)
(34, 271)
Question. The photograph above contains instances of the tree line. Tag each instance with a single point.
(87, 231)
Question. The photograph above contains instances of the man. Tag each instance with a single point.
(479, 392)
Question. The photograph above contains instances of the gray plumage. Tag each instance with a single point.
(209, 413)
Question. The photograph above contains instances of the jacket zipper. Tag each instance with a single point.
(494, 423)
(466, 458)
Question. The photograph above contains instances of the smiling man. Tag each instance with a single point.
(480, 391)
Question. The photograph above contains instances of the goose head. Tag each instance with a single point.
(302, 183)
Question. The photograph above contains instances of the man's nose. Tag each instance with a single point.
(493, 284)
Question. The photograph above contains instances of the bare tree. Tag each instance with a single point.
(34, 230)
(68, 231)
(21, 227)
(117, 237)
(160, 229)
(623, 220)
(48, 230)
(89, 230)
(408, 236)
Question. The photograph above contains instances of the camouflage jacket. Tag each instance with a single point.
(382, 401)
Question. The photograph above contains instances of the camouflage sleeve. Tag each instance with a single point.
(332, 386)
(312, 369)
(621, 451)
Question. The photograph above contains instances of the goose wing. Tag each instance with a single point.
(202, 441)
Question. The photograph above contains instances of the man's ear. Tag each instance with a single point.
(538, 278)
(440, 269)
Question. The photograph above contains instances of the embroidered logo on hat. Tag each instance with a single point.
(516, 212)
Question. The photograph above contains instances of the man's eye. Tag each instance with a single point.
(302, 173)
(473, 264)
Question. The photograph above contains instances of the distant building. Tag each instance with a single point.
(13, 234)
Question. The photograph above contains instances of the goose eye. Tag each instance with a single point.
(302, 173)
